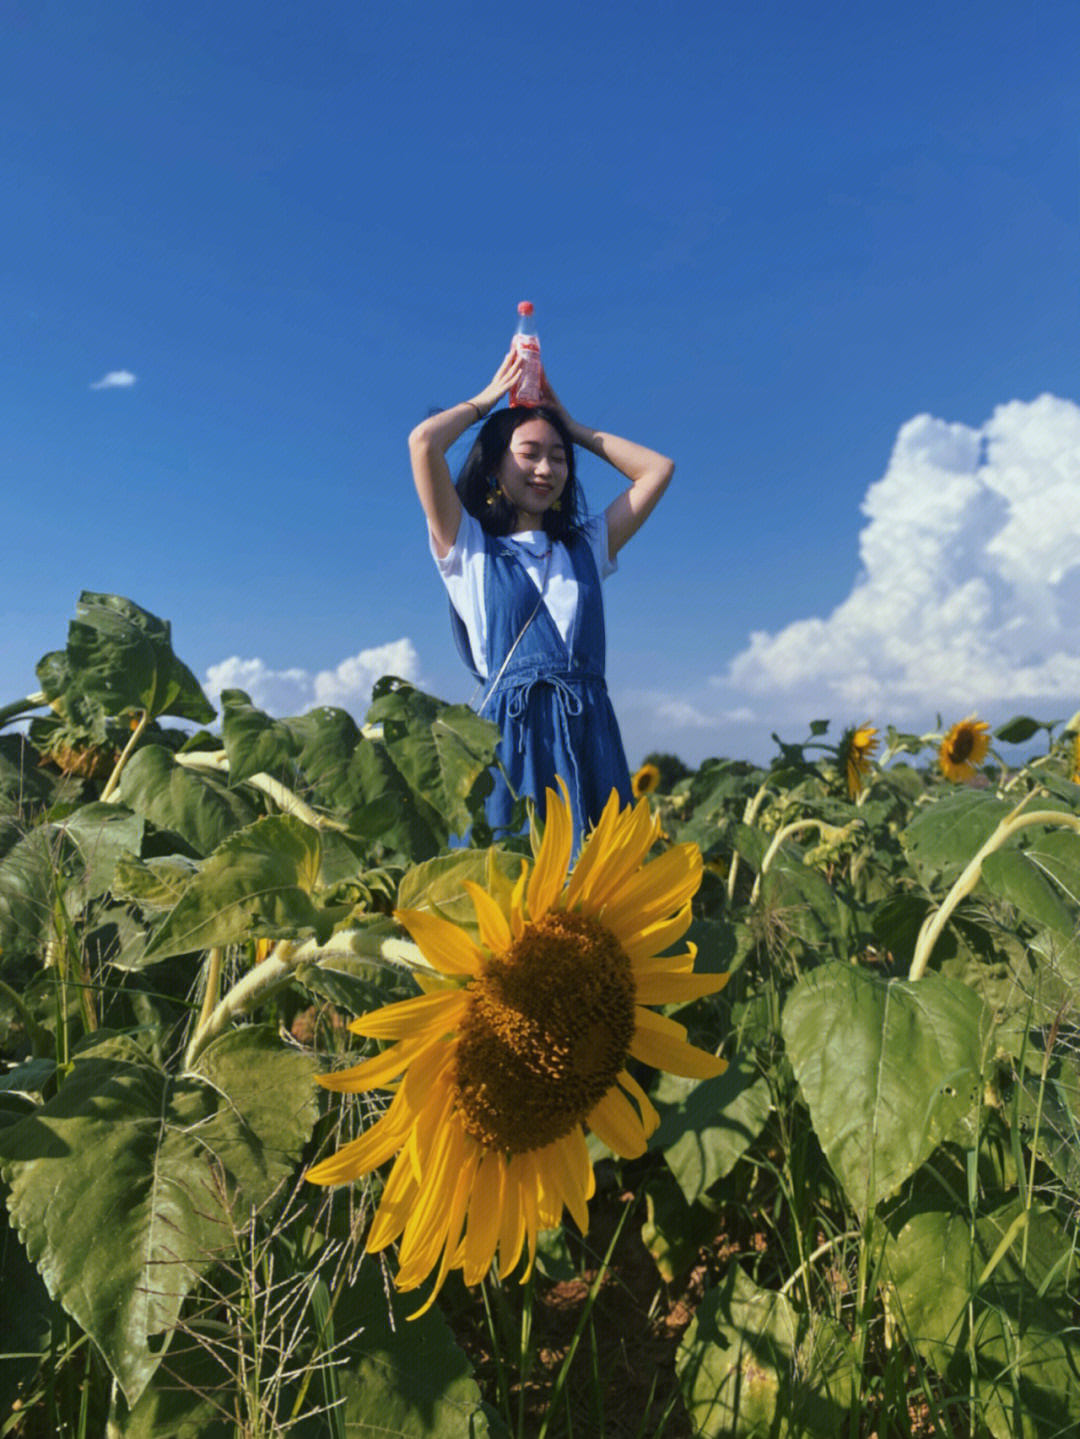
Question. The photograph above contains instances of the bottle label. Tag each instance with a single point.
(527, 389)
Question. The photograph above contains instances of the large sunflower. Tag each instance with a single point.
(964, 748)
(524, 1041)
(856, 748)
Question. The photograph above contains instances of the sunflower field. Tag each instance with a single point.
(759, 1116)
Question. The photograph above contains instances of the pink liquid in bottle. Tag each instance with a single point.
(527, 344)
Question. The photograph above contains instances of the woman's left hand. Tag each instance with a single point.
(550, 398)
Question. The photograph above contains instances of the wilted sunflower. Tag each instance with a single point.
(524, 1042)
(964, 748)
(856, 748)
(645, 781)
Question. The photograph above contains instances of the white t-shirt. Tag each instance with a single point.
(462, 569)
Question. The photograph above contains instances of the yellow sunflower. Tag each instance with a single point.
(856, 748)
(645, 781)
(964, 748)
(1075, 776)
(524, 1041)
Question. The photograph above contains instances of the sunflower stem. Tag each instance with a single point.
(796, 827)
(493, 1330)
(283, 797)
(1010, 825)
(750, 813)
(30, 702)
(277, 970)
(118, 768)
(594, 1291)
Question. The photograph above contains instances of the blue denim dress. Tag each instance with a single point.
(551, 701)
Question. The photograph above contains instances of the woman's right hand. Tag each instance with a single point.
(504, 379)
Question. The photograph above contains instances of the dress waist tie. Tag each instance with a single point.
(568, 705)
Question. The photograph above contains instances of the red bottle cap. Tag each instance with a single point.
(525, 308)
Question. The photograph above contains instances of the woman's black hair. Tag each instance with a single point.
(482, 497)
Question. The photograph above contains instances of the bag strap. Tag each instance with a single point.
(521, 636)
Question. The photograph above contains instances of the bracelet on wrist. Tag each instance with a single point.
(474, 406)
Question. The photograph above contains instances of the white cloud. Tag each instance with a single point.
(969, 592)
(292, 691)
(967, 598)
(115, 380)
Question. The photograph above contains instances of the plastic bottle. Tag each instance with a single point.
(527, 344)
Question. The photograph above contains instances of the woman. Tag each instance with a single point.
(522, 565)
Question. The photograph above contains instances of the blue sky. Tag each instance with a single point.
(825, 256)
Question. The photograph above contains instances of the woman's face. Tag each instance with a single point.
(532, 474)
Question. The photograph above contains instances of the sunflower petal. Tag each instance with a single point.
(426, 1228)
(597, 844)
(650, 1120)
(409, 1016)
(454, 1222)
(565, 1158)
(677, 988)
(395, 1206)
(662, 1043)
(635, 833)
(494, 930)
(530, 1208)
(642, 943)
(512, 1222)
(517, 902)
(549, 871)
(373, 1073)
(656, 890)
(485, 1211)
(361, 1156)
(615, 1122)
(441, 943)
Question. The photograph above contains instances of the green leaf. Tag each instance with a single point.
(803, 903)
(26, 1317)
(326, 741)
(751, 1365)
(190, 1396)
(394, 1378)
(129, 1184)
(1017, 878)
(28, 890)
(195, 804)
(405, 1379)
(356, 781)
(752, 844)
(439, 884)
(1057, 853)
(102, 833)
(706, 1125)
(254, 743)
(1049, 1118)
(674, 1231)
(1019, 729)
(270, 1105)
(23, 786)
(258, 882)
(442, 750)
(945, 835)
(1025, 1342)
(888, 1068)
(154, 884)
(119, 658)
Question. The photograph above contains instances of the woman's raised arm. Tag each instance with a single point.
(648, 472)
(428, 445)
